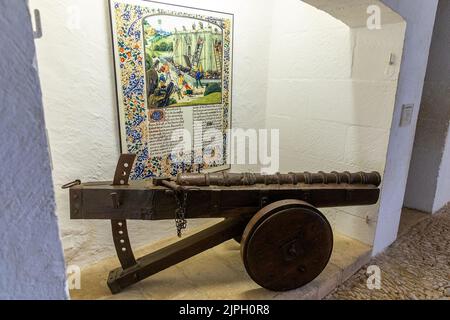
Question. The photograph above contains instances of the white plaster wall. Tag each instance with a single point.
(420, 17)
(77, 77)
(76, 69)
(429, 175)
(31, 259)
(332, 94)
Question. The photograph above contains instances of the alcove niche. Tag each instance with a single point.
(332, 86)
(310, 68)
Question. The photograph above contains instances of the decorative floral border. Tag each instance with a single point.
(130, 61)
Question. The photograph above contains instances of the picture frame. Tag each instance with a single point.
(173, 73)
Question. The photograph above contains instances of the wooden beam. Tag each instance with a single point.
(164, 258)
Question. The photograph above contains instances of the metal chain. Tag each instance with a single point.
(180, 213)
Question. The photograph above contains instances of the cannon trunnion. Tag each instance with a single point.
(286, 242)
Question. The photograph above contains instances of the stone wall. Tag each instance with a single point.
(332, 92)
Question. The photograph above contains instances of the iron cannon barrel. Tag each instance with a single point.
(246, 179)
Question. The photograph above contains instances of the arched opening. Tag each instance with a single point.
(327, 81)
(331, 91)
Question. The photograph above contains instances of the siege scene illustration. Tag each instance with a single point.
(184, 62)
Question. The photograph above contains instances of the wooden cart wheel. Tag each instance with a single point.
(286, 245)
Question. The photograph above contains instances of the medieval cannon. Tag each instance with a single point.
(286, 242)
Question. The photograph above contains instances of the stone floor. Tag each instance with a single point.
(416, 266)
(220, 274)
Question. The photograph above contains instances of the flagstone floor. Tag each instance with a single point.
(416, 266)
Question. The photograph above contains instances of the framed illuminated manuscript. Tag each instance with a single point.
(173, 69)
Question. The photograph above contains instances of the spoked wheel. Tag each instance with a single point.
(286, 245)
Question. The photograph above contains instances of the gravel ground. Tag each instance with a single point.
(416, 266)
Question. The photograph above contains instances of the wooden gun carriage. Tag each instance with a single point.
(286, 242)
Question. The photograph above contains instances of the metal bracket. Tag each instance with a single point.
(349, 195)
(306, 195)
(115, 200)
(122, 244)
(216, 204)
(119, 227)
(71, 184)
(37, 34)
(263, 198)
